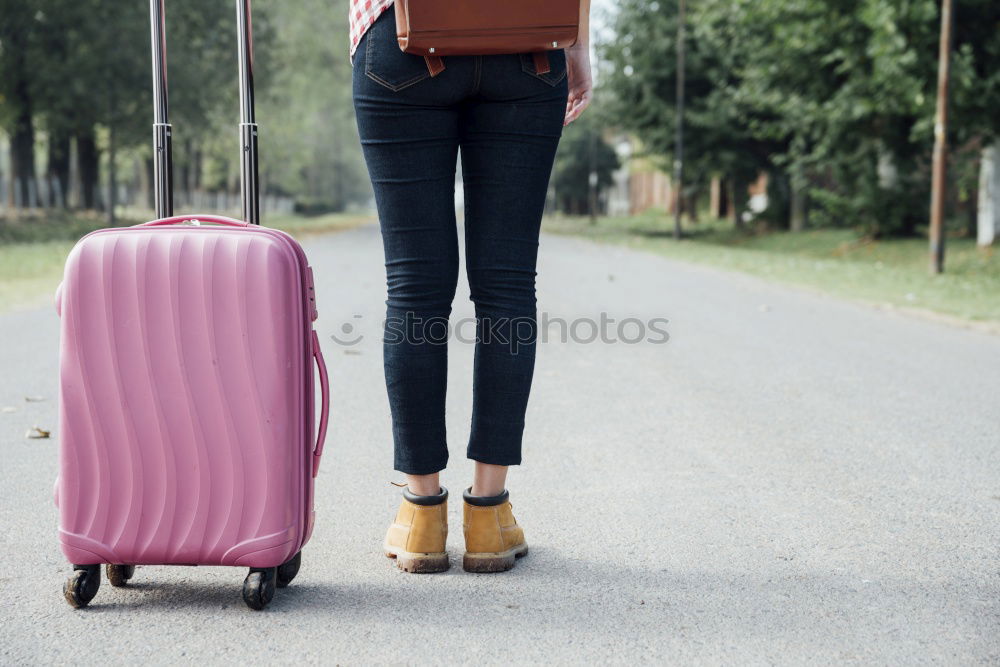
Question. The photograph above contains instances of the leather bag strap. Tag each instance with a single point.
(541, 59)
(435, 65)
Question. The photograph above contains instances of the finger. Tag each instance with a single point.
(573, 113)
(568, 117)
(570, 101)
(579, 104)
(572, 107)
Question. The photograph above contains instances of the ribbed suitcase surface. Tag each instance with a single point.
(186, 397)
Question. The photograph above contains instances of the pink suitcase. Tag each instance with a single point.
(186, 388)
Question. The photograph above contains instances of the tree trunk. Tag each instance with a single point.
(716, 197)
(189, 172)
(778, 210)
(58, 172)
(737, 200)
(22, 157)
(112, 176)
(800, 201)
(691, 205)
(988, 218)
(22, 133)
(800, 210)
(146, 171)
(199, 169)
(725, 204)
(112, 153)
(88, 158)
(673, 198)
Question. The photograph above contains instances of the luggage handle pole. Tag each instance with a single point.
(163, 191)
(249, 184)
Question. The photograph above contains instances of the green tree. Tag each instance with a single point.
(582, 151)
(18, 36)
(832, 97)
(309, 146)
(640, 74)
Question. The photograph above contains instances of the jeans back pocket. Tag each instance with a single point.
(385, 63)
(557, 66)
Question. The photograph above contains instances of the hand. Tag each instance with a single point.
(581, 85)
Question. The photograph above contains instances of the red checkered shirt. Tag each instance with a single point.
(363, 14)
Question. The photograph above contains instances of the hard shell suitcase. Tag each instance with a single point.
(186, 385)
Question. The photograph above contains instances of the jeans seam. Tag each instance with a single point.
(479, 75)
(406, 84)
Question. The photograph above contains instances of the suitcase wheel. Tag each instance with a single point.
(82, 586)
(288, 570)
(118, 575)
(258, 587)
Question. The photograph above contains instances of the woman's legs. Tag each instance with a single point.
(424, 485)
(507, 120)
(410, 147)
(489, 479)
(509, 135)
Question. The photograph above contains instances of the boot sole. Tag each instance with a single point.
(493, 562)
(416, 563)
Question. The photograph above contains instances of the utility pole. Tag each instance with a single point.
(679, 136)
(592, 178)
(592, 175)
(938, 181)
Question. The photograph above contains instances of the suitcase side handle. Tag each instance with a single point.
(195, 217)
(324, 415)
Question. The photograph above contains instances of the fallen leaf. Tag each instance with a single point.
(7, 409)
(34, 399)
(352, 351)
(36, 433)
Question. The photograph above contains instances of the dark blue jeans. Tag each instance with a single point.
(506, 119)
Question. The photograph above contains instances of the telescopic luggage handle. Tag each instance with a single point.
(163, 191)
(249, 187)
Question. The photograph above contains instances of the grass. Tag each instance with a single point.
(30, 270)
(838, 261)
(33, 251)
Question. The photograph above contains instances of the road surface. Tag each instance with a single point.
(789, 479)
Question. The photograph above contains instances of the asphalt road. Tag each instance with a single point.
(790, 479)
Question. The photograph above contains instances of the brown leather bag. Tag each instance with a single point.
(435, 28)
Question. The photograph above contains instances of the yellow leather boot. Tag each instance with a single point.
(416, 539)
(493, 540)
